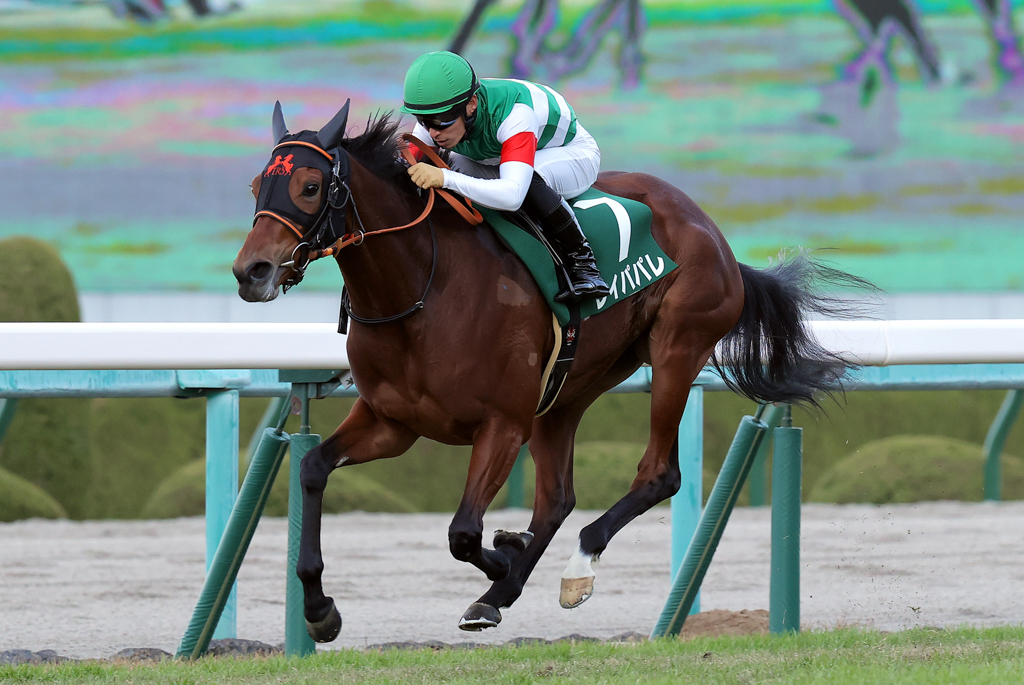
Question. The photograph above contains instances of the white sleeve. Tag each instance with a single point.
(506, 192)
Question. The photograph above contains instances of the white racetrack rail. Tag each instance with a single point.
(74, 346)
(944, 341)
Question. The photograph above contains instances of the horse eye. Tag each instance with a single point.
(311, 190)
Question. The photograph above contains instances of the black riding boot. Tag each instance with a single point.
(564, 232)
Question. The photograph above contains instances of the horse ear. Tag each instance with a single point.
(280, 130)
(330, 135)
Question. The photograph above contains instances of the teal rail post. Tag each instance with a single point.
(784, 592)
(994, 441)
(7, 410)
(712, 524)
(297, 641)
(274, 410)
(759, 471)
(220, 579)
(517, 480)
(759, 475)
(221, 487)
(688, 502)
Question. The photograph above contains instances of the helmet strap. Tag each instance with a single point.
(470, 120)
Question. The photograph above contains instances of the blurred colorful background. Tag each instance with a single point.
(889, 130)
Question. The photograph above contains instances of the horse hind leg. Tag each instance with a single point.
(676, 365)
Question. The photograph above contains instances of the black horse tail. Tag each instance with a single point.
(770, 354)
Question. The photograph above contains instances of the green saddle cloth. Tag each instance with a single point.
(619, 231)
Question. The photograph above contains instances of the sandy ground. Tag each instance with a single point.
(90, 589)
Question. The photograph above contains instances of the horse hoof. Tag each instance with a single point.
(327, 629)
(479, 616)
(575, 591)
(518, 541)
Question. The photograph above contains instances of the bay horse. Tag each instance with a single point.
(450, 336)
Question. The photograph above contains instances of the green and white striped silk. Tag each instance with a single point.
(551, 107)
(501, 104)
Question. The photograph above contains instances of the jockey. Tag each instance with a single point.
(515, 145)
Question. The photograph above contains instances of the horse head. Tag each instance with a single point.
(296, 195)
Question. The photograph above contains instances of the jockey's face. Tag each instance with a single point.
(448, 134)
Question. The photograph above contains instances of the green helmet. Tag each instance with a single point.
(437, 82)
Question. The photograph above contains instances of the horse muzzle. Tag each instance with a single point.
(257, 281)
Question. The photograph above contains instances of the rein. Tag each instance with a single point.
(466, 211)
(346, 302)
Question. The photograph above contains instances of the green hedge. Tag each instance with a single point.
(138, 443)
(183, 493)
(47, 443)
(20, 499)
(862, 418)
(914, 468)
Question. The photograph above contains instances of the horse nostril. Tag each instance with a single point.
(260, 271)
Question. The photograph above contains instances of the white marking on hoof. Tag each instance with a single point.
(479, 616)
(577, 580)
(476, 625)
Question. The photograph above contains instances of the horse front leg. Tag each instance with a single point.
(494, 453)
(362, 437)
(551, 446)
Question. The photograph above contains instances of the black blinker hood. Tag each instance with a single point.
(294, 152)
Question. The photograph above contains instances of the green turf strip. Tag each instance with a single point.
(844, 656)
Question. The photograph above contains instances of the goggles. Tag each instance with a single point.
(432, 123)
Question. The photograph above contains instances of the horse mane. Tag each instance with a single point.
(378, 149)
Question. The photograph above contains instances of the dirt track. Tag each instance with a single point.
(90, 589)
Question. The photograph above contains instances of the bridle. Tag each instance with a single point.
(322, 239)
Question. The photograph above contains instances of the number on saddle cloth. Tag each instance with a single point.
(619, 232)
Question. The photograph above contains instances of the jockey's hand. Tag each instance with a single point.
(426, 176)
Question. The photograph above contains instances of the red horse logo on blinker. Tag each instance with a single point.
(280, 167)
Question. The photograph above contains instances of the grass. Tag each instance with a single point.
(994, 655)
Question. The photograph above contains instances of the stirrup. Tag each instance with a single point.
(583, 289)
(567, 295)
